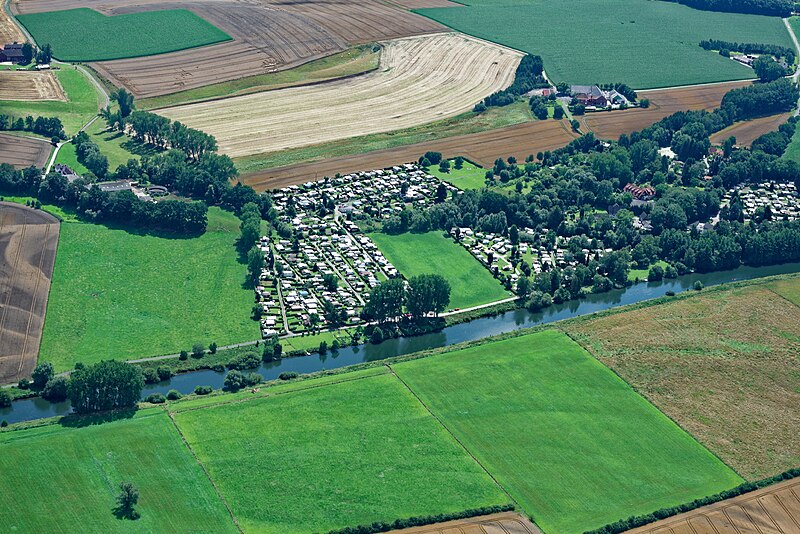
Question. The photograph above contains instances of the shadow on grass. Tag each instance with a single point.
(140, 149)
(81, 421)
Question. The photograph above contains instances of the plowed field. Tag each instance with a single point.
(420, 80)
(483, 148)
(747, 131)
(30, 85)
(28, 240)
(23, 151)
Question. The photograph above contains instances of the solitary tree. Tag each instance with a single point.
(126, 500)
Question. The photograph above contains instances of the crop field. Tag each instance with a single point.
(483, 148)
(344, 454)
(268, 36)
(83, 102)
(420, 80)
(774, 509)
(87, 35)
(722, 364)
(121, 295)
(746, 132)
(571, 442)
(28, 240)
(23, 152)
(641, 43)
(9, 32)
(30, 85)
(72, 477)
(663, 102)
(502, 523)
(471, 283)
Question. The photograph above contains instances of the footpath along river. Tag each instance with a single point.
(37, 408)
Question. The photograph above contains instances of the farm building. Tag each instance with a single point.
(589, 95)
(12, 52)
(640, 193)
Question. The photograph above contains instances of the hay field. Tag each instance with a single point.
(420, 80)
(723, 364)
(30, 86)
(9, 32)
(746, 132)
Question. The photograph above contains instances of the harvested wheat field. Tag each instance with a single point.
(9, 32)
(746, 132)
(28, 240)
(502, 523)
(723, 364)
(482, 148)
(24, 151)
(30, 85)
(663, 102)
(267, 36)
(773, 510)
(420, 80)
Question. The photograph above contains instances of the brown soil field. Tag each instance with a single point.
(722, 364)
(28, 240)
(746, 132)
(30, 85)
(24, 151)
(502, 523)
(420, 80)
(423, 4)
(663, 102)
(771, 510)
(9, 32)
(482, 148)
(268, 36)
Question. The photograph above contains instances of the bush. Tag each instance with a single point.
(253, 378)
(56, 389)
(376, 336)
(670, 293)
(183, 356)
(656, 273)
(164, 373)
(670, 272)
(150, 375)
(203, 390)
(323, 347)
(155, 398)
(23, 383)
(288, 375)
(212, 348)
(234, 381)
(173, 394)
(698, 286)
(3, 423)
(5, 398)
(198, 350)
(248, 360)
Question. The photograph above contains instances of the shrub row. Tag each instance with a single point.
(380, 526)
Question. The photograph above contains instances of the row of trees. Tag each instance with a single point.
(46, 126)
(161, 132)
(529, 75)
(778, 8)
(749, 48)
(422, 295)
(89, 155)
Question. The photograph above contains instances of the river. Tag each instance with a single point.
(37, 408)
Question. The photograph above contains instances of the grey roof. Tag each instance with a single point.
(591, 90)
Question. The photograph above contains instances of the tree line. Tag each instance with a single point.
(776, 8)
(45, 126)
(529, 75)
(749, 48)
(422, 295)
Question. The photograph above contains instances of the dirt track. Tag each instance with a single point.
(771, 510)
(30, 85)
(746, 132)
(420, 80)
(663, 102)
(268, 35)
(23, 152)
(28, 241)
(482, 148)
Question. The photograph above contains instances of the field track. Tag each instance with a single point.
(502, 523)
(420, 80)
(28, 240)
(482, 148)
(23, 151)
(30, 85)
(774, 510)
(267, 36)
(9, 32)
(663, 102)
(747, 131)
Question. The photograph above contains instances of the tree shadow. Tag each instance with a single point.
(123, 513)
(141, 149)
(81, 421)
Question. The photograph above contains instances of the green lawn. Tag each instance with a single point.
(643, 43)
(59, 479)
(345, 454)
(414, 254)
(566, 437)
(641, 274)
(84, 101)
(788, 289)
(112, 144)
(468, 177)
(87, 35)
(120, 295)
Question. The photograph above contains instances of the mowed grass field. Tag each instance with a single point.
(345, 454)
(111, 143)
(723, 364)
(118, 295)
(468, 177)
(643, 43)
(569, 440)
(87, 35)
(58, 479)
(432, 253)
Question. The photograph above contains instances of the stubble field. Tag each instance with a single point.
(21, 152)
(9, 32)
(420, 80)
(30, 85)
(746, 132)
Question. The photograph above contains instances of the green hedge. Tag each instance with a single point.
(380, 526)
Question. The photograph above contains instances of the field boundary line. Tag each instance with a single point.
(436, 418)
(203, 467)
(791, 302)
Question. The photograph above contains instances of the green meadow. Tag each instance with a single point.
(432, 253)
(574, 444)
(468, 177)
(120, 295)
(643, 43)
(87, 35)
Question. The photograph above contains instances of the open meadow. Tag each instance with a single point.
(468, 177)
(87, 35)
(571, 442)
(72, 475)
(420, 80)
(343, 454)
(113, 144)
(30, 85)
(642, 43)
(432, 253)
(722, 364)
(120, 295)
